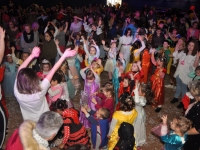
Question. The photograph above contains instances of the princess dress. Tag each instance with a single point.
(111, 61)
(157, 86)
(89, 90)
(146, 58)
(9, 78)
(119, 117)
(115, 82)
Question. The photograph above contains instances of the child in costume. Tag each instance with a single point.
(136, 72)
(126, 137)
(142, 94)
(195, 75)
(45, 68)
(119, 69)
(56, 89)
(92, 51)
(137, 47)
(157, 81)
(74, 132)
(99, 127)
(91, 85)
(175, 139)
(73, 64)
(68, 77)
(107, 98)
(24, 56)
(126, 113)
(146, 63)
(96, 65)
(9, 76)
(110, 62)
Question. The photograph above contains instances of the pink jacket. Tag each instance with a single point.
(192, 33)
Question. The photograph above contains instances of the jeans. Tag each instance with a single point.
(181, 88)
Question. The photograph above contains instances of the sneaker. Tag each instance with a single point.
(180, 105)
(174, 100)
(158, 109)
(169, 86)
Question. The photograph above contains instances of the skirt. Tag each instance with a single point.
(109, 66)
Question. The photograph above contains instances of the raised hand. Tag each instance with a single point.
(139, 63)
(99, 61)
(35, 52)
(69, 53)
(56, 42)
(164, 119)
(94, 101)
(12, 49)
(103, 42)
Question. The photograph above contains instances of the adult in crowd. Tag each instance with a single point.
(12, 31)
(49, 50)
(28, 39)
(192, 113)
(35, 135)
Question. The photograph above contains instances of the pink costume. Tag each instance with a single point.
(54, 93)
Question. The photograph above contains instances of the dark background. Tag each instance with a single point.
(136, 4)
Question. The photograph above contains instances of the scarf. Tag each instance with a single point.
(26, 39)
(40, 140)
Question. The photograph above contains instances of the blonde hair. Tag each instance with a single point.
(183, 124)
(194, 87)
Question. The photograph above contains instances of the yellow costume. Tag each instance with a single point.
(120, 117)
(98, 70)
(136, 58)
(170, 61)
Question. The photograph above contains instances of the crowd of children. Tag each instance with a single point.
(55, 62)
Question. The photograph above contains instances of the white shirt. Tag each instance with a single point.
(33, 105)
(185, 66)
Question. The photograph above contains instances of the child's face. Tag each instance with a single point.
(24, 56)
(90, 81)
(113, 45)
(99, 113)
(173, 124)
(140, 91)
(134, 67)
(160, 63)
(197, 72)
(165, 45)
(46, 67)
(92, 51)
(9, 59)
(191, 46)
(54, 82)
(125, 83)
(94, 65)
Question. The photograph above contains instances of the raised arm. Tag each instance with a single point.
(34, 54)
(68, 53)
(196, 62)
(66, 26)
(2, 43)
(58, 48)
(152, 57)
(104, 47)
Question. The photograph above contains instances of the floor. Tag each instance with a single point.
(152, 118)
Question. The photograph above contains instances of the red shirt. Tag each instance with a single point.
(106, 103)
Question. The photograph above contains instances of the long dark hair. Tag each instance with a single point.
(126, 31)
(135, 45)
(196, 47)
(59, 104)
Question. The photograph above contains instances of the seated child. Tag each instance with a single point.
(175, 139)
(100, 126)
(126, 137)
